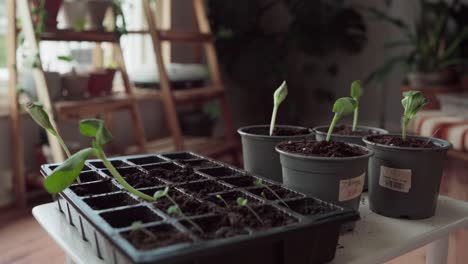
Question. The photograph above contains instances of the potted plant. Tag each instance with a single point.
(74, 83)
(259, 141)
(405, 173)
(349, 134)
(433, 44)
(74, 15)
(158, 208)
(45, 13)
(96, 12)
(101, 81)
(330, 170)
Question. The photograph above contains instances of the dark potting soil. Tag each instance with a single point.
(197, 164)
(162, 236)
(348, 131)
(177, 175)
(203, 188)
(243, 181)
(241, 216)
(321, 148)
(141, 179)
(110, 201)
(188, 205)
(278, 131)
(308, 207)
(215, 228)
(397, 141)
(267, 194)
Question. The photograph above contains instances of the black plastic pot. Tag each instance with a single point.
(333, 179)
(321, 135)
(404, 182)
(259, 152)
(102, 211)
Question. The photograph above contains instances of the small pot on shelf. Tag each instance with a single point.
(51, 7)
(336, 176)
(100, 82)
(74, 85)
(258, 148)
(96, 13)
(404, 178)
(345, 134)
(74, 15)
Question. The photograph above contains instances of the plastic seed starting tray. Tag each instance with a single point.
(305, 230)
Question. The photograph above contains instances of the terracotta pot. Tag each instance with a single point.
(52, 8)
(74, 86)
(100, 82)
(96, 12)
(432, 84)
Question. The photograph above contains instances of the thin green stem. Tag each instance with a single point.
(255, 214)
(183, 215)
(404, 125)
(356, 116)
(222, 199)
(64, 146)
(119, 178)
(332, 125)
(277, 196)
(273, 119)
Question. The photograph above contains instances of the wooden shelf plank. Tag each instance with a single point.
(70, 35)
(91, 107)
(183, 96)
(181, 36)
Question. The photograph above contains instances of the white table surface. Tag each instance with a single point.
(376, 238)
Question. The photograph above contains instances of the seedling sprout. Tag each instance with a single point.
(278, 97)
(260, 183)
(356, 93)
(241, 201)
(175, 208)
(138, 226)
(412, 102)
(343, 106)
(222, 200)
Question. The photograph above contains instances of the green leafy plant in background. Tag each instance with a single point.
(67, 172)
(412, 102)
(175, 208)
(242, 201)
(343, 106)
(433, 40)
(356, 93)
(278, 97)
(120, 22)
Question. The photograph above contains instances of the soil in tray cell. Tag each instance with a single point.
(220, 172)
(244, 181)
(94, 188)
(188, 206)
(203, 188)
(140, 179)
(281, 192)
(309, 206)
(198, 164)
(180, 156)
(241, 216)
(125, 217)
(146, 160)
(229, 198)
(156, 237)
(165, 166)
(215, 227)
(110, 201)
(177, 175)
(115, 163)
(89, 176)
(53, 167)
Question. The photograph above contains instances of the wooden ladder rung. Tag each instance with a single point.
(70, 35)
(181, 36)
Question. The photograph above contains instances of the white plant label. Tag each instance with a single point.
(351, 188)
(395, 179)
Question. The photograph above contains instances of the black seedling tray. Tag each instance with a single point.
(103, 212)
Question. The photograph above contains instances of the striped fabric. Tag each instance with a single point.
(441, 125)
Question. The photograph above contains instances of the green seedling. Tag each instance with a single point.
(65, 174)
(222, 200)
(175, 208)
(412, 102)
(356, 93)
(261, 183)
(278, 97)
(343, 106)
(138, 226)
(241, 201)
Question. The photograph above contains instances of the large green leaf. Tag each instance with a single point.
(344, 106)
(280, 94)
(412, 102)
(40, 116)
(95, 128)
(356, 89)
(65, 174)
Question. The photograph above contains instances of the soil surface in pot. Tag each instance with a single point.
(161, 237)
(398, 141)
(278, 131)
(348, 131)
(321, 148)
(178, 175)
